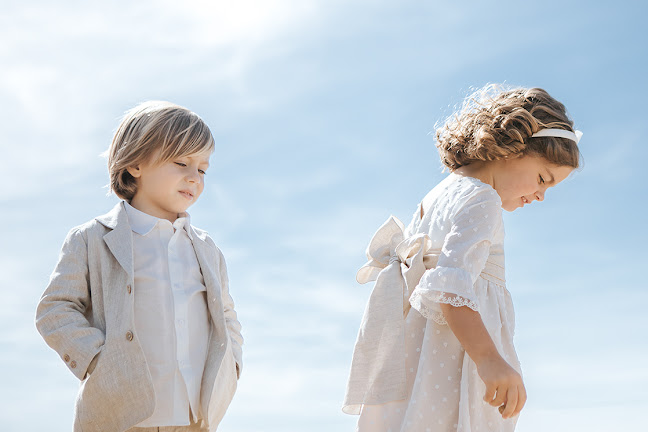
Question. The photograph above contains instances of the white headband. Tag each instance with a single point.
(560, 133)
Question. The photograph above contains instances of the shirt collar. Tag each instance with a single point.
(143, 223)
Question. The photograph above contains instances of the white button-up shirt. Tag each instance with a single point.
(171, 316)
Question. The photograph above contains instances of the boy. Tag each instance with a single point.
(138, 305)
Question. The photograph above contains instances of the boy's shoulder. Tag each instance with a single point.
(204, 236)
(100, 225)
(105, 221)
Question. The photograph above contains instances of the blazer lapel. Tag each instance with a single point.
(120, 239)
(206, 260)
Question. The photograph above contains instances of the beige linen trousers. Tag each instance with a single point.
(86, 316)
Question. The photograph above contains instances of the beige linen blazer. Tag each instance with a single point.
(86, 316)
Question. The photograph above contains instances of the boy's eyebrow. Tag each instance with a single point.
(203, 161)
(552, 179)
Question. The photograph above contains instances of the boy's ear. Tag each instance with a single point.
(135, 171)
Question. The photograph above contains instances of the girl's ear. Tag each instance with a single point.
(135, 171)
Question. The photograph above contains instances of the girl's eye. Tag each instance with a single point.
(203, 172)
(181, 164)
(541, 180)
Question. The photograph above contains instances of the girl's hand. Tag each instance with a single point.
(504, 386)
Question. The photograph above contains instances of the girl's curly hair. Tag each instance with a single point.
(496, 123)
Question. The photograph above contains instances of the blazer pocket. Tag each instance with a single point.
(93, 364)
(117, 391)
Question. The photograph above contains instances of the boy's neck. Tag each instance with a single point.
(152, 211)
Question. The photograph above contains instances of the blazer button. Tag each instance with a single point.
(129, 336)
(72, 364)
(128, 288)
(66, 358)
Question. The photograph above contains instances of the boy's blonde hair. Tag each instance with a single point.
(154, 129)
(496, 123)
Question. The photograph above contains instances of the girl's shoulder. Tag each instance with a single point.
(457, 192)
(459, 203)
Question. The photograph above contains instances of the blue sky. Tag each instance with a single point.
(322, 112)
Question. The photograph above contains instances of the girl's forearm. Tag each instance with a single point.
(468, 327)
(504, 386)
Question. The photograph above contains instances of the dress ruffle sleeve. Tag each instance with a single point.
(463, 257)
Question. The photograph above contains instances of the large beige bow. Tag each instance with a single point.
(378, 366)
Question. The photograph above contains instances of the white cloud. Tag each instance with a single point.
(68, 71)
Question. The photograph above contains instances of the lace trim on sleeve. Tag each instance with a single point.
(429, 308)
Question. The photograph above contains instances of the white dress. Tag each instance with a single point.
(463, 218)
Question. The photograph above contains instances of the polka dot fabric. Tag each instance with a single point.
(463, 217)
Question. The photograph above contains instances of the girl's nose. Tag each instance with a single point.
(539, 195)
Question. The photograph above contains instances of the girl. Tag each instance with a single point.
(435, 349)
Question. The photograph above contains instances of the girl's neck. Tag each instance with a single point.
(479, 170)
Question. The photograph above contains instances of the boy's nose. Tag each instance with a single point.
(193, 177)
(539, 195)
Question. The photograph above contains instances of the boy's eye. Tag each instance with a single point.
(203, 172)
(181, 164)
(541, 180)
